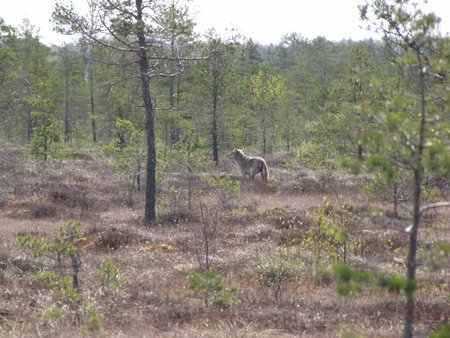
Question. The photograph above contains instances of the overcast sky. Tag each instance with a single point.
(265, 21)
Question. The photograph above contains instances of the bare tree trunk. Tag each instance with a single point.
(91, 90)
(418, 180)
(173, 101)
(45, 138)
(67, 118)
(360, 151)
(29, 110)
(396, 196)
(264, 136)
(29, 124)
(150, 191)
(215, 142)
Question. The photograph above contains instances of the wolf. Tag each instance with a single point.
(250, 165)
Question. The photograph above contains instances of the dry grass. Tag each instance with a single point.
(265, 229)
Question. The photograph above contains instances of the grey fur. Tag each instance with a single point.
(250, 165)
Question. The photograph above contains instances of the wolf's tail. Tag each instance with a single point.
(265, 172)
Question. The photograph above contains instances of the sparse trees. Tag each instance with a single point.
(7, 74)
(268, 90)
(178, 27)
(32, 75)
(70, 67)
(131, 28)
(215, 76)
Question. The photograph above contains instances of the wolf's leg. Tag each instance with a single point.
(244, 174)
(252, 173)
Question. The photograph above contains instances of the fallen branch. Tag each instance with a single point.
(433, 206)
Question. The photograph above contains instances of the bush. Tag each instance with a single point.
(277, 268)
(208, 285)
(228, 190)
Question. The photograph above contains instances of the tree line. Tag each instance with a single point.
(234, 92)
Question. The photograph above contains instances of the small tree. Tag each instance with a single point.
(268, 90)
(129, 153)
(61, 246)
(46, 136)
(421, 56)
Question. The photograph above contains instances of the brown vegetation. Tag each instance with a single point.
(261, 243)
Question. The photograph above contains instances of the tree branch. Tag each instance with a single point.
(433, 206)
(90, 37)
(114, 35)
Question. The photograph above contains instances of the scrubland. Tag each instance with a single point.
(224, 259)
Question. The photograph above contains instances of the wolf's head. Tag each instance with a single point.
(236, 153)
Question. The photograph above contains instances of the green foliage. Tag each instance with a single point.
(438, 157)
(8, 57)
(329, 239)
(189, 150)
(397, 284)
(276, 268)
(52, 313)
(128, 152)
(377, 182)
(330, 133)
(274, 185)
(37, 247)
(190, 143)
(306, 154)
(443, 332)
(46, 137)
(439, 257)
(95, 320)
(268, 91)
(61, 285)
(321, 273)
(61, 245)
(389, 185)
(208, 285)
(111, 276)
(353, 165)
(431, 194)
(227, 189)
(346, 334)
(64, 241)
(267, 88)
(386, 166)
(126, 146)
(350, 281)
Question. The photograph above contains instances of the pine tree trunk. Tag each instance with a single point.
(264, 136)
(150, 191)
(67, 118)
(91, 89)
(215, 142)
(29, 124)
(418, 180)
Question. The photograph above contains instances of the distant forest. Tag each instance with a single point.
(217, 93)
